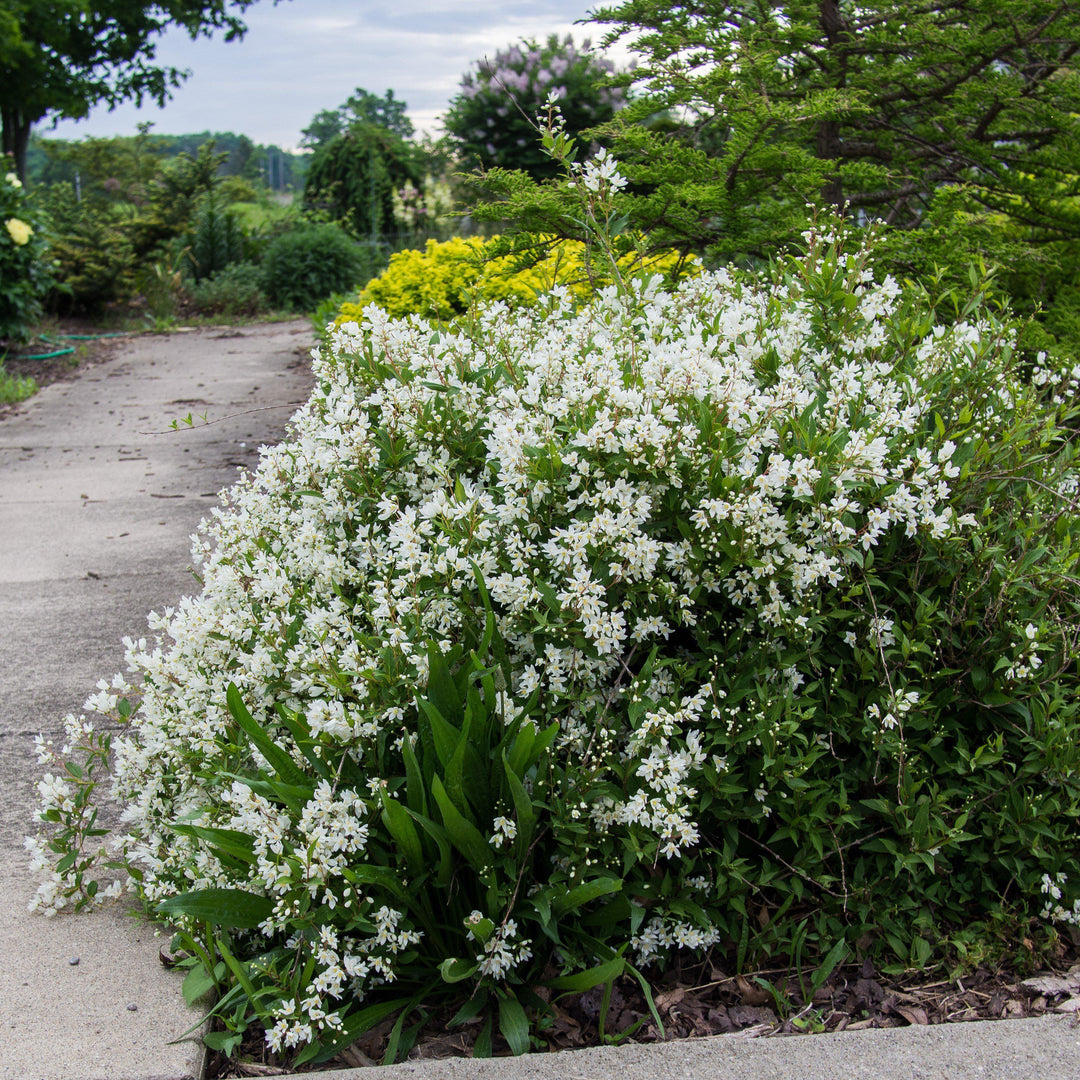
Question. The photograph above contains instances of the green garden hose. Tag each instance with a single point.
(48, 355)
(68, 349)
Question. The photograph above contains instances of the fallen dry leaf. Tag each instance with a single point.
(752, 995)
(913, 1014)
(1053, 984)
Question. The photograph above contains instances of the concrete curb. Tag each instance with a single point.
(995, 1050)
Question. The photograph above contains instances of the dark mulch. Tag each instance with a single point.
(708, 1001)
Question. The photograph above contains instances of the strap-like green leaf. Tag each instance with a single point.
(446, 737)
(523, 809)
(230, 841)
(279, 760)
(586, 980)
(463, 834)
(442, 841)
(302, 734)
(403, 831)
(220, 907)
(441, 689)
(513, 1024)
(415, 789)
(585, 893)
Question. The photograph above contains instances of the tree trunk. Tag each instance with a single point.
(15, 137)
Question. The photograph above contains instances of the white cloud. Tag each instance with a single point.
(305, 55)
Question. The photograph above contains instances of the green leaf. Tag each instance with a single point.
(353, 1027)
(225, 1042)
(231, 841)
(279, 760)
(523, 809)
(454, 970)
(833, 958)
(463, 834)
(441, 691)
(301, 733)
(220, 907)
(482, 1046)
(398, 823)
(513, 1025)
(415, 791)
(594, 976)
(196, 984)
(446, 737)
(442, 842)
(584, 894)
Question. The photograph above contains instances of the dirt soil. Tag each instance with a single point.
(707, 1001)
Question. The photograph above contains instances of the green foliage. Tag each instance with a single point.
(234, 290)
(492, 118)
(739, 616)
(354, 176)
(386, 112)
(216, 239)
(14, 388)
(61, 59)
(443, 280)
(308, 263)
(24, 275)
(132, 216)
(881, 109)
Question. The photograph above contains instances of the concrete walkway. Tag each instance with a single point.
(94, 527)
(95, 520)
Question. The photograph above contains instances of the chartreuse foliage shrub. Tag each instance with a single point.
(24, 277)
(739, 616)
(441, 281)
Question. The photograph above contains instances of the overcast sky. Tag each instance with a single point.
(300, 56)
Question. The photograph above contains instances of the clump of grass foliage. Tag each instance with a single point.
(15, 388)
(741, 616)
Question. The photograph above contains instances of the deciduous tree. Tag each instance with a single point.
(62, 58)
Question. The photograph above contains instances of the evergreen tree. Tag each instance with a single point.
(932, 116)
(355, 174)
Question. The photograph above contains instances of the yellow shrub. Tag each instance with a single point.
(441, 281)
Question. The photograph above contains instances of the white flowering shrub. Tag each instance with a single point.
(726, 617)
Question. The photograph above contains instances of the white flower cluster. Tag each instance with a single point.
(1054, 910)
(550, 452)
(659, 935)
(501, 952)
(343, 966)
(1027, 661)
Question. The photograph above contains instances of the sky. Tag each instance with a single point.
(301, 56)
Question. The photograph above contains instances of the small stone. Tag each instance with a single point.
(133, 1008)
(74, 961)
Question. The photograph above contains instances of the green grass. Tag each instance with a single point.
(259, 215)
(14, 388)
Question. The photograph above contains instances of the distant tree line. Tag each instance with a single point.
(50, 161)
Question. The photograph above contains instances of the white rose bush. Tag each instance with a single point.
(738, 617)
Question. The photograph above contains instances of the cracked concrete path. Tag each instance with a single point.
(95, 521)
